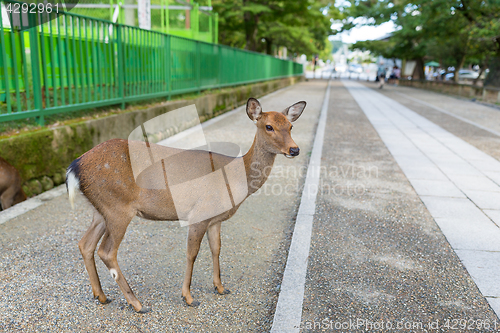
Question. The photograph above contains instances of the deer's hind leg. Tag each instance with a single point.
(195, 235)
(108, 252)
(213, 234)
(87, 246)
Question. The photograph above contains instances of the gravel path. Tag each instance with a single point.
(44, 286)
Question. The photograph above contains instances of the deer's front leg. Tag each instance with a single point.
(195, 235)
(213, 234)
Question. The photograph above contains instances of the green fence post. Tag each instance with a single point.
(121, 69)
(35, 66)
(167, 17)
(216, 34)
(169, 66)
(235, 69)
(195, 23)
(14, 65)
(210, 23)
(162, 16)
(198, 66)
(219, 72)
(5, 65)
(111, 10)
(121, 13)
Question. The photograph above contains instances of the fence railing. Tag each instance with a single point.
(72, 62)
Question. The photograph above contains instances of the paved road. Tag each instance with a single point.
(399, 237)
(44, 285)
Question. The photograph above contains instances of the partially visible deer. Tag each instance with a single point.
(11, 192)
(105, 177)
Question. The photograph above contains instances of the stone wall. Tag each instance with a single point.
(43, 156)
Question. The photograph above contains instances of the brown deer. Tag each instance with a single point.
(11, 192)
(105, 177)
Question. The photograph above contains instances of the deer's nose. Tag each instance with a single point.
(294, 151)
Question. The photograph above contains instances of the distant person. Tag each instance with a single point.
(315, 62)
(396, 74)
(381, 73)
(436, 74)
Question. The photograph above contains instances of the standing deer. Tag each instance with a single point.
(11, 192)
(105, 177)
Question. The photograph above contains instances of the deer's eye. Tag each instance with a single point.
(269, 128)
(291, 127)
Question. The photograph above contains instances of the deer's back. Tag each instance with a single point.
(120, 174)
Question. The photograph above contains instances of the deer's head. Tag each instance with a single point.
(273, 128)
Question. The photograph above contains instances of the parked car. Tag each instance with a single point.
(355, 68)
(463, 74)
(340, 68)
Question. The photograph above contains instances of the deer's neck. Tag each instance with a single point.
(258, 165)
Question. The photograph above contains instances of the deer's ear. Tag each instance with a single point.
(294, 111)
(253, 109)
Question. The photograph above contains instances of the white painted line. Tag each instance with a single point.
(26, 206)
(450, 114)
(289, 309)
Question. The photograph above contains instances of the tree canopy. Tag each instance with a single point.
(302, 26)
(452, 32)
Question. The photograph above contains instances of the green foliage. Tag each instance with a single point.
(301, 26)
(452, 32)
(326, 53)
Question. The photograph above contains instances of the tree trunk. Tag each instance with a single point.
(269, 46)
(459, 65)
(484, 66)
(474, 82)
(418, 72)
(250, 32)
(250, 22)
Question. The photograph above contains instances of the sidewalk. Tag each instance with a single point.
(396, 192)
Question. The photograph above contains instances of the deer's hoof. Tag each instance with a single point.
(144, 309)
(225, 292)
(193, 303)
(106, 301)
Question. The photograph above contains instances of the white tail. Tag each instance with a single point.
(105, 177)
(72, 185)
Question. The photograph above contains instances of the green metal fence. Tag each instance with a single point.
(72, 62)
